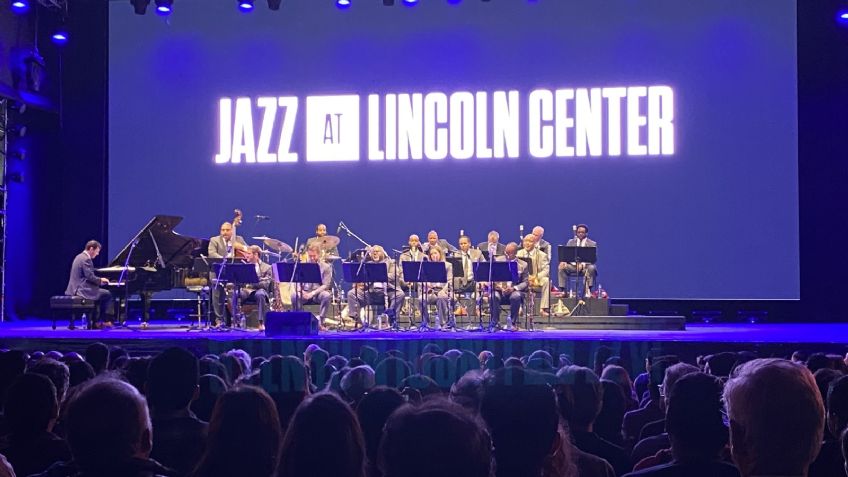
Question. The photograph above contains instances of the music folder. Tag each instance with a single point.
(570, 253)
(429, 272)
(297, 272)
(501, 271)
(368, 272)
(240, 273)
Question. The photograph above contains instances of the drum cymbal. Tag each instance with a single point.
(327, 241)
(332, 257)
(277, 245)
(270, 253)
(262, 237)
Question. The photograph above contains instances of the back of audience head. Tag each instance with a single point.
(323, 421)
(107, 423)
(614, 406)
(285, 379)
(424, 385)
(211, 387)
(234, 366)
(824, 377)
(672, 375)
(57, 372)
(172, 380)
(837, 405)
(97, 355)
(31, 406)
(602, 354)
(520, 409)
(369, 355)
(79, 372)
(818, 361)
(776, 417)
(373, 411)
(468, 390)
(117, 357)
(357, 382)
(694, 419)
(580, 396)
(457, 437)
(619, 376)
(337, 361)
(244, 435)
(391, 371)
(12, 365)
(210, 365)
(135, 372)
(317, 368)
(513, 362)
(656, 375)
(441, 370)
(721, 364)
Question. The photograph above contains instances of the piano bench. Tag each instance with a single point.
(76, 305)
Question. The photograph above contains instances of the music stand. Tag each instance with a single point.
(573, 254)
(366, 273)
(423, 273)
(491, 272)
(238, 274)
(299, 273)
(458, 271)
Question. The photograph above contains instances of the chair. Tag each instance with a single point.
(77, 306)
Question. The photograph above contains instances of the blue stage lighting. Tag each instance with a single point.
(410, 3)
(245, 5)
(842, 16)
(343, 4)
(164, 7)
(20, 6)
(60, 37)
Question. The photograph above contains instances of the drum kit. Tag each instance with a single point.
(278, 248)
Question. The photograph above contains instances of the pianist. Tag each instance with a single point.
(83, 282)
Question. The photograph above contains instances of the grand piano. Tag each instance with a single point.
(156, 259)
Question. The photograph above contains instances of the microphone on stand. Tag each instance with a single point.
(521, 232)
(339, 228)
(263, 217)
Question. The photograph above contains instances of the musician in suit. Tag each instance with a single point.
(541, 243)
(412, 254)
(258, 292)
(540, 268)
(438, 294)
(469, 256)
(85, 283)
(492, 243)
(314, 293)
(587, 270)
(321, 231)
(433, 240)
(222, 246)
(514, 292)
(360, 296)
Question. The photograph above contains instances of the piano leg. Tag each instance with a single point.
(145, 307)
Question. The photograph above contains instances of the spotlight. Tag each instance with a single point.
(410, 3)
(342, 4)
(455, 2)
(20, 6)
(245, 5)
(140, 6)
(274, 4)
(842, 17)
(164, 7)
(388, 3)
(60, 37)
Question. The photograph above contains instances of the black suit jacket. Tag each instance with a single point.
(83, 281)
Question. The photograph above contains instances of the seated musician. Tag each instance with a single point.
(492, 243)
(412, 254)
(85, 283)
(587, 270)
(360, 296)
(223, 246)
(514, 292)
(313, 293)
(258, 292)
(438, 294)
(321, 231)
(540, 270)
(433, 240)
(541, 243)
(469, 256)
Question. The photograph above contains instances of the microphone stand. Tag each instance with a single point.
(126, 285)
(423, 300)
(492, 308)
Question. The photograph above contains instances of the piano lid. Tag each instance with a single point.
(158, 234)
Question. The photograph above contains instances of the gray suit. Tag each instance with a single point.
(443, 244)
(320, 292)
(571, 268)
(515, 297)
(438, 294)
(85, 283)
(409, 256)
(258, 292)
(377, 293)
(484, 247)
(218, 249)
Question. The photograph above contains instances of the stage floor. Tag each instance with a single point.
(768, 340)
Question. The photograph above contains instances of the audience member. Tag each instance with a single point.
(31, 411)
(171, 387)
(285, 379)
(830, 460)
(457, 439)
(244, 436)
(79, 372)
(776, 418)
(356, 383)
(57, 372)
(373, 411)
(619, 376)
(651, 410)
(211, 387)
(468, 390)
(608, 423)
(391, 371)
(323, 424)
(135, 372)
(97, 355)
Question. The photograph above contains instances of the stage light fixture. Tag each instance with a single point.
(842, 17)
(60, 37)
(245, 5)
(140, 6)
(410, 3)
(164, 7)
(20, 6)
(342, 4)
(274, 4)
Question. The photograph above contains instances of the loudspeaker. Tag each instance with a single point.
(290, 323)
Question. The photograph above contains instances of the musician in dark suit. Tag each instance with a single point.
(433, 240)
(258, 292)
(514, 292)
(313, 293)
(588, 270)
(412, 254)
(85, 283)
(222, 246)
(465, 283)
(492, 243)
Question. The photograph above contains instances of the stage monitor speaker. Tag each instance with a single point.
(290, 323)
